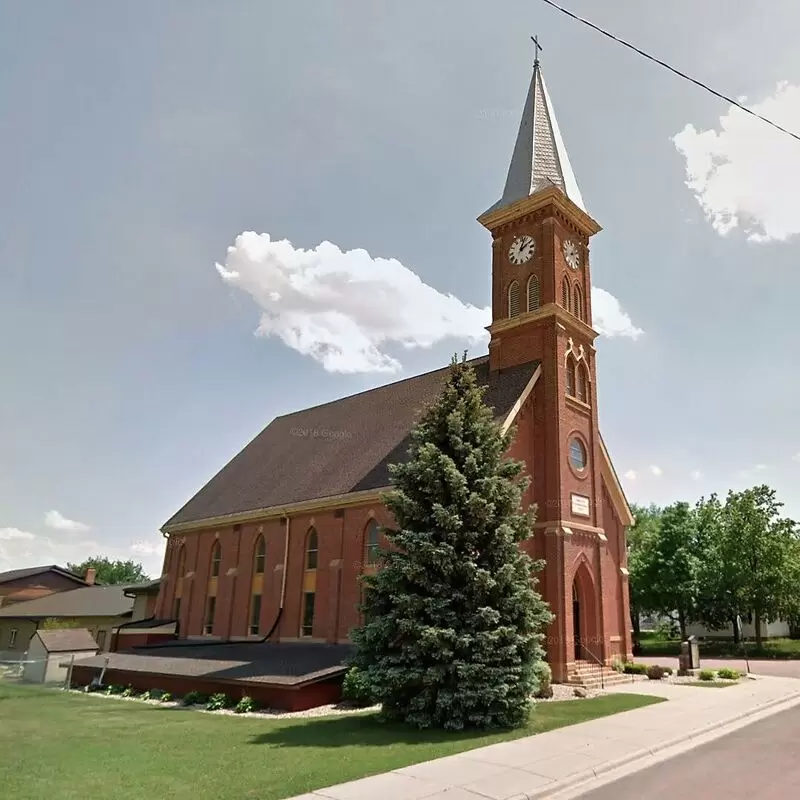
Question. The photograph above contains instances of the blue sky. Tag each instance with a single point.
(139, 141)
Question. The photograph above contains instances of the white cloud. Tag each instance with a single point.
(8, 534)
(741, 173)
(631, 475)
(609, 318)
(57, 521)
(696, 475)
(796, 457)
(657, 471)
(344, 309)
(147, 548)
(761, 466)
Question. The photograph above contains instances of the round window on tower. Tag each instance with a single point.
(577, 455)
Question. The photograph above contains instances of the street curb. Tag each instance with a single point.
(708, 733)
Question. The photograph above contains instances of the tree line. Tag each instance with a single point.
(716, 560)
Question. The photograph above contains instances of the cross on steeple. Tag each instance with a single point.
(537, 49)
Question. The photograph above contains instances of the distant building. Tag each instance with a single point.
(49, 651)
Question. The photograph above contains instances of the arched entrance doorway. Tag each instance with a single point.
(587, 642)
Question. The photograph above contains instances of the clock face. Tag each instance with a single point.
(521, 250)
(572, 254)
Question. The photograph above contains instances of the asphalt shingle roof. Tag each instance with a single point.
(339, 447)
(30, 572)
(88, 601)
(66, 640)
(286, 663)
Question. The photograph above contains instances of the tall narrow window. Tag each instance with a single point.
(565, 293)
(309, 583)
(179, 573)
(577, 302)
(583, 384)
(571, 377)
(260, 556)
(372, 544)
(307, 628)
(513, 299)
(533, 293)
(216, 559)
(311, 550)
(211, 608)
(255, 615)
(12, 638)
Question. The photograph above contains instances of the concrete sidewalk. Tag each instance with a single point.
(549, 763)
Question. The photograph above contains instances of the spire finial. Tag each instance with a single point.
(537, 49)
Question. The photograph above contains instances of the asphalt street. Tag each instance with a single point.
(780, 668)
(760, 761)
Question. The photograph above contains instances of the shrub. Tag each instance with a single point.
(145, 695)
(544, 679)
(194, 699)
(166, 697)
(218, 701)
(630, 668)
(116, 689)
(154, 694)
(655, 672)
(355, 689)
(706, 675)
(728, 674)
(245, 706)
(618, 666)
(668, 670)
(128, 691)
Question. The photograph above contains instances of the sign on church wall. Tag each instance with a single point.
(580, 505)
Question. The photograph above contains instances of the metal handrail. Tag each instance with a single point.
(597, 661)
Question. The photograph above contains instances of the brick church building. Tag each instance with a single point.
(274, 544)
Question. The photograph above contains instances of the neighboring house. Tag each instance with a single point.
(48, 650)
(769, 630)
(100, 609)
(143, 627)
(19, 585)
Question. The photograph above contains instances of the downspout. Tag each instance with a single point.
(283, 581)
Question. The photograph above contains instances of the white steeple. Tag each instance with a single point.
(540, 159)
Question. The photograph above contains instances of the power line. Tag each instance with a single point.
(670, 68)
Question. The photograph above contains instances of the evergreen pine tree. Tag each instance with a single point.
(453, 625)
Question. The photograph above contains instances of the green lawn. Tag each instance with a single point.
(65, 746)
(771, 648)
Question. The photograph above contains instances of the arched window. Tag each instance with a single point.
(371, 543)
(181, 571)
(583, 384)
(565, 293)
(311, 549)
(216, 559)
(577, 302)
(513, 299)
(260, 557)
(309, 584)
(533, 293)
(571, 377)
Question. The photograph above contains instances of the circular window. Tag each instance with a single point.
(577, 454)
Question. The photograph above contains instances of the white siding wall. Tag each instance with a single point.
(36, 666)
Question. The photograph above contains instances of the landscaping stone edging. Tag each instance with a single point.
(712, 731)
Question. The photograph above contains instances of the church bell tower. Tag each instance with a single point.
(542, 311)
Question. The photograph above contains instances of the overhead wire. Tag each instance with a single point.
(672, 69)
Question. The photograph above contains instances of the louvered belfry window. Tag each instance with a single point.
(513, 299)
(533, 293)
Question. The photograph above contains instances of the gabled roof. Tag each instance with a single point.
(88, 601)
(540, 158)
(31, 572)
(148, 587)
(337, 448)
(66, 640)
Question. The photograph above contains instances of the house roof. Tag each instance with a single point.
(540, 157)
(278, 663)
(88, 601)
(339, 447)
(30, 572)
(66, 640)
(149, 587)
